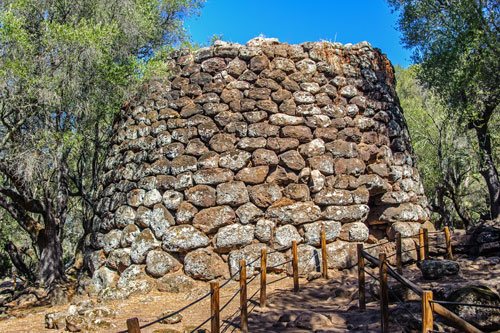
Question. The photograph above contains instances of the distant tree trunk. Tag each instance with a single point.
(18, 262)
(23, 205)
(50, 267)
(488, 170)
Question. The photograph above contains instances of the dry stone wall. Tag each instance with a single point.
(250, 147)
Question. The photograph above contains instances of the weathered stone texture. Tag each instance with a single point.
(245, 147)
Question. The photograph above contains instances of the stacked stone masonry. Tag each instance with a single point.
(245, 147)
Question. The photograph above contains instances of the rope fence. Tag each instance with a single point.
(215, 309)
(429, 306)
(467, 304)
(422, 250)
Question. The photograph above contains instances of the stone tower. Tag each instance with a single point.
(250, 146)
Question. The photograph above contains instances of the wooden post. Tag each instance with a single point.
(323, 254)
(133, 325)
(427, 318)
(426, 244)
(384, 294)
(399, 253)
(263, 277)
(295, 266)
(421, 254)
(361, 278)
(448, 243)
(243, 296)
(214, 307)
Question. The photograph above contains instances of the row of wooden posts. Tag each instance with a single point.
(428, 307)
(133, 323)
(423, 250)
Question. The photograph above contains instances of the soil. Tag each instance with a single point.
(320, 305)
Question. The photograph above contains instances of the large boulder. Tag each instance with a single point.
(119, 259)
(251, 255)
(233, 236)
(312, 231)
(341, 255)
(159, 263)
(184, 238)
(354, 232)
(294, 213)
(435, 269)
(143, 243)
(174, 284)
(203, 264)
(103, 278)
(132, 281)
(487, 319)
(210, 219)
(286, 234)
(486, 238)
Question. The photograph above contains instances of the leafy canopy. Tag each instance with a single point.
(457, 44)
(65, 68)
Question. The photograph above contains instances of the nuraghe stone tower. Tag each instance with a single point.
(246, 147)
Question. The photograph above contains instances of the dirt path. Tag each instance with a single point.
(319, 306)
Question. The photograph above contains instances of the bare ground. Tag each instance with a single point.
(320, 305)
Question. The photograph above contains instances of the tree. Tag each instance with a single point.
(457, 44)
(65, 67)
(444, 153)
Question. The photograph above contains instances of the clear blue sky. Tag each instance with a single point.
(294, 22)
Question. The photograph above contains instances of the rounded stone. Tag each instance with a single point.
(234, 235)
(354, 232)
(124, 216)
(286, 234)
(159, 263)
(204, 264)
(143, 243)
(183, 238)
(172, 199)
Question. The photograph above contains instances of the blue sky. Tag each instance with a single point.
(294, 22)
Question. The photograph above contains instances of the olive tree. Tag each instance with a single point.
(65, 67)
(457, 44)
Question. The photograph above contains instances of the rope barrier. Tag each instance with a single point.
(373, 276)
(203, 323)
(200, 299)
(380, 244)
(174, 313)
(230, 278)
(283, 263)
(314, 256)
(402, 303)
(466, 304)
(281, 249)
(230, 300)
(251, 262)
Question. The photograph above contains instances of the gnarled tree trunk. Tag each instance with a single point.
(50, 267)
(488, 169)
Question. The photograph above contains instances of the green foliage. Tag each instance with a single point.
(457, 44)
(444, 150)
(65, 69)
(457, 40)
